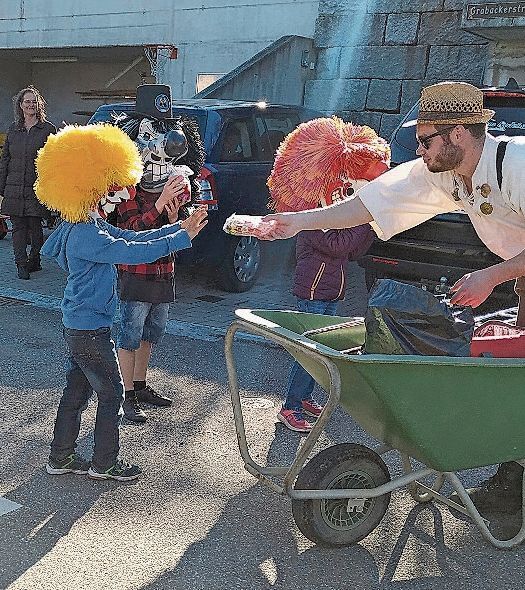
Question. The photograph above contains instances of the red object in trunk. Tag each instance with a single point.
(498, 339)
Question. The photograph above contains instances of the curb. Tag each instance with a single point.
(173, 327)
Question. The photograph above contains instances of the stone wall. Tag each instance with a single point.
(375, 55)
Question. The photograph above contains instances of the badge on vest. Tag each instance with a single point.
(486, 207)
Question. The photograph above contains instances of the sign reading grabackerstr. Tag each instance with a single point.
(496, 10)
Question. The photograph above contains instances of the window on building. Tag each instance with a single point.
(205, 80)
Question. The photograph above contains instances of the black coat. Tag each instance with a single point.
(17, 169)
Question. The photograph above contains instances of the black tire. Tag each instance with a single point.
(327, 522)
(240, 267)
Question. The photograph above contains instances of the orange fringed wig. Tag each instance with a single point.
(80, 165)
(322, 161)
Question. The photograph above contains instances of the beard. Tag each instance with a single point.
(447, 159)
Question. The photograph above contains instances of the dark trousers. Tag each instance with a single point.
(26, 230)
(92, 364)
(300, 383)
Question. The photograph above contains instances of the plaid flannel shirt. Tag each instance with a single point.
(141, 214)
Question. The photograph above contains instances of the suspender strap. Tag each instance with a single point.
(500, 154)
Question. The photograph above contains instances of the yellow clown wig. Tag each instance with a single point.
(80, 164)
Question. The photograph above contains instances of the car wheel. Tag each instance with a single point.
(340, 522)
(241, 263)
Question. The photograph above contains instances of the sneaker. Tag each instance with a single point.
(71, 464)
(312, 408)
(150, 396)
(501, 494)
(121, 471)
(294, 420)
(22, 272)
(33, 264)
(132, 409)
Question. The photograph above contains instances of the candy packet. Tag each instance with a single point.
(185, 172)
(247, 225)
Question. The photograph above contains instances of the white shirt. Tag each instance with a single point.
(410, 194)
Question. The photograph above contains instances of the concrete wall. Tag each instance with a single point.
(61, 85)
(276, 74)
(375, 55)
(12, 77)
(506, 59)
(211, 37)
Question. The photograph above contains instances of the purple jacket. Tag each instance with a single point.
(322, 258)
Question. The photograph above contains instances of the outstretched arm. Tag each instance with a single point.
(341, 215)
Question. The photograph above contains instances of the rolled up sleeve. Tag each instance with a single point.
(405, 197)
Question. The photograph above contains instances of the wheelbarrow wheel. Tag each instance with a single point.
(331, 523)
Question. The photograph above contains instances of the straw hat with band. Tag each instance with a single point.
(452, 103)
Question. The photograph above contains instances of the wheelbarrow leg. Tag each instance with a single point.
(288, 472)
(418, 490)
(473, 512)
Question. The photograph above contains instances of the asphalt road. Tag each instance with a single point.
(197, 520)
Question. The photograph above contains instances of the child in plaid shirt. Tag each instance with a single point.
(146, 291)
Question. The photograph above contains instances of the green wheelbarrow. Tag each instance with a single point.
(474, 418)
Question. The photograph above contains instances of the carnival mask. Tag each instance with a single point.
(160, 147)
(346, 190)
(109, 202)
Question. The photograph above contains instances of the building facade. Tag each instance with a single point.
(368, 60)
(375, 55)
(80, 54)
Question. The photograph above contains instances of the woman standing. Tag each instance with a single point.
(25, 137)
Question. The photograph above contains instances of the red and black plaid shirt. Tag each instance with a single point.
(140, 214)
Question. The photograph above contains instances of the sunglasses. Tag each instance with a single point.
(424, 142)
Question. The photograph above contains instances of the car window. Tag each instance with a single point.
(238, 142)
(509, 119)
(509, 115)
(272, 129)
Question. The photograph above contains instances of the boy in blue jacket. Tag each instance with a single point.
(88, 248)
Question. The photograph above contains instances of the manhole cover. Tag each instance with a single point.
(8, 302)
(259, 403)
(210, 298)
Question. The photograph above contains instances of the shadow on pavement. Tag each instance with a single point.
(255, 545)
(51, 505)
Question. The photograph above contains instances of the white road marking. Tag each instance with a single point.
(7, 506)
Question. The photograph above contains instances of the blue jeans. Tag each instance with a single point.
(91, 365)
(141, 321)
(301, 383)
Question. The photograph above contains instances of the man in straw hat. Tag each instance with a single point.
(457, 169)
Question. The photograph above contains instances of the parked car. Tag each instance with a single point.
(438, 252)
(240, 140)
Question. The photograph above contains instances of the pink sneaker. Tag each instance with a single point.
(312, 408)
(294, 420)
